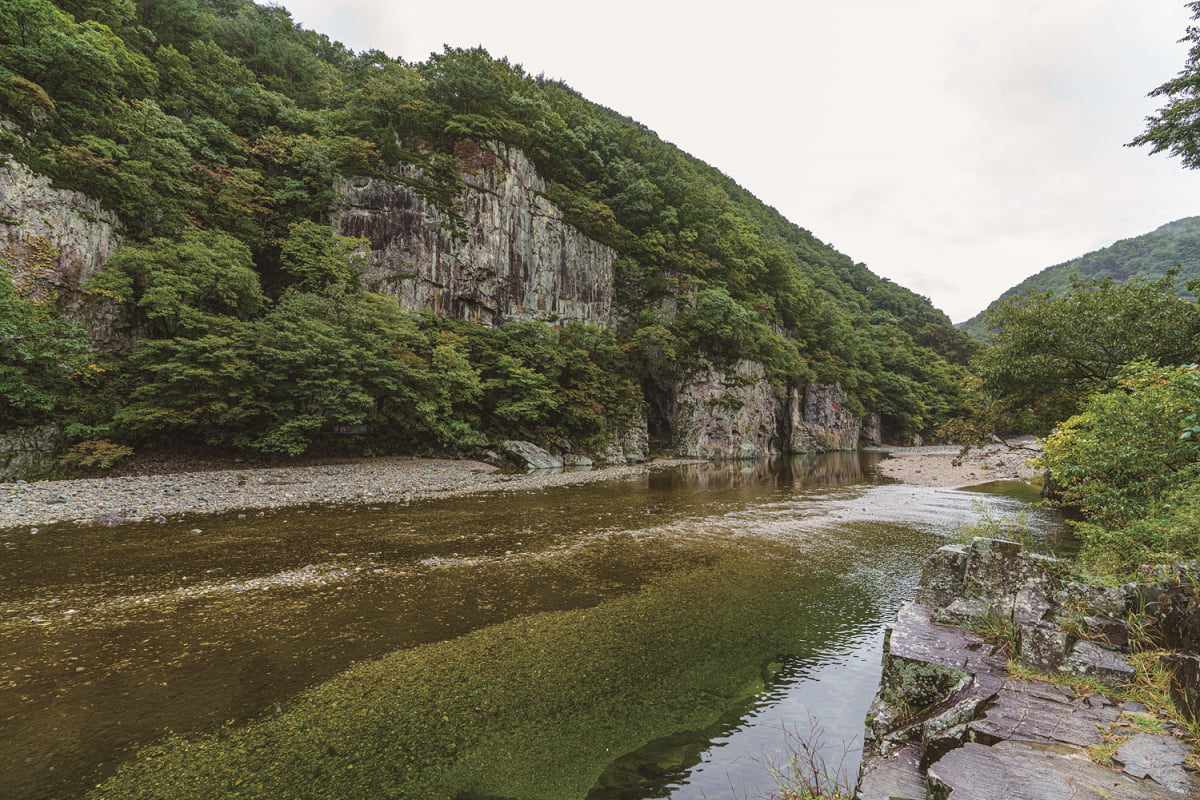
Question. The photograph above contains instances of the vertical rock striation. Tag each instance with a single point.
(514, 257)
(737, 414)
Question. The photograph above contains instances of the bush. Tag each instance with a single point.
(1127, 461)
(99, 454)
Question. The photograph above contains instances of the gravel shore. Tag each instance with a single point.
(378, 480)
(934, 466)
(388, 480)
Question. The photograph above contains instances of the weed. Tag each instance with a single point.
(1081, 685)
(1075, 622)
(1146, 723)
(806, 773)
(993, 525)
(1104, 752)
(999, 630)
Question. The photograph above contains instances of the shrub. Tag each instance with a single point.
(99, 454)
(1127, 461)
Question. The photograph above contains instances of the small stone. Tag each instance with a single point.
(197, 530)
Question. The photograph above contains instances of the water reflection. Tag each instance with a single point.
(704, 603)
(828, 469)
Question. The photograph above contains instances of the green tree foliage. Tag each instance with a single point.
(44, 360)
(316, 258)
(1176, 126)
(314, 362)
(1124, 460)
(1051, 351)
(219, 131)
(177, 286)
(1174, 246)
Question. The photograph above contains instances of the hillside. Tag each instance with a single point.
(268, 239)
(1149, 256)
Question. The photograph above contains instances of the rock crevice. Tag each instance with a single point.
(950, 722)
(506, 255)
(736, 413)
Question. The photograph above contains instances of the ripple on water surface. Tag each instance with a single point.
(627, 639)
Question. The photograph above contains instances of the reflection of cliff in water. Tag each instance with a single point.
(823, 469)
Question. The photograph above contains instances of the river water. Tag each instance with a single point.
(673, 635)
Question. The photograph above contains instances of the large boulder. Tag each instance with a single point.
(529, 455)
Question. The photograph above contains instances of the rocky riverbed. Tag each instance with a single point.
(1008, 679)
(113, 500)
(941, 466)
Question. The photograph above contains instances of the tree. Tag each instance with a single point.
(1052, 350)
(175, 285)
(42, 358)
(1128, 462)
(317, 258)
(1176, 126)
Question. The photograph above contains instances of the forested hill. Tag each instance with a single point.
(218, 131)
(1149, 256)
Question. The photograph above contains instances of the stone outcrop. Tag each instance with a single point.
(529, 455)
(737, 414)
(630, 445)
(28, 451)
(510, 256)
(818, 420)
(726, 415)
(53, 240)
(951, 723)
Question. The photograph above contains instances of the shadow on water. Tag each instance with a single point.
(625, 639)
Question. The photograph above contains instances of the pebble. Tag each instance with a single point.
(155, 497)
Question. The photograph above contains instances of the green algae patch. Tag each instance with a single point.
(535, 707)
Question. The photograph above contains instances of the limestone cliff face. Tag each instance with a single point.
(738, 415)
(53, 240)
(726, 415)
(514, 259)
(818, 420)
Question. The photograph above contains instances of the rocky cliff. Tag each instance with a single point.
(52, 241)
(504, 254)
(510, 256)
(738, 414)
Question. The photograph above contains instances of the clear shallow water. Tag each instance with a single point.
(630, 639)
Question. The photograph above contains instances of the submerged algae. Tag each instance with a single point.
(519, 709)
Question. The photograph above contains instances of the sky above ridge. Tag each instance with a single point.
(954, 147)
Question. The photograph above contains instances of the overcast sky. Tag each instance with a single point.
(954, 146)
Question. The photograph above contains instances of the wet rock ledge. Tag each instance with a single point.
(953, 721)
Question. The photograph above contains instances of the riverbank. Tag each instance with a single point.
(935, 465)
(112, 500)
(1008, 678)
(154, 494)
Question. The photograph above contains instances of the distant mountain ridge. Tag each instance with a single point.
(1149, 256)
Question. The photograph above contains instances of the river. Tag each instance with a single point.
(672, 635)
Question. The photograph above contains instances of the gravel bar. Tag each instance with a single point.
(109, 501)
(935, 465)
